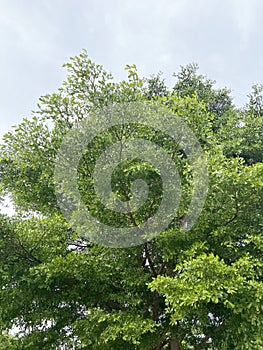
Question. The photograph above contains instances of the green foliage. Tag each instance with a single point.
(200, 289)
(219, 102)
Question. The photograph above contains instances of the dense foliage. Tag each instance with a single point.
(200, 289)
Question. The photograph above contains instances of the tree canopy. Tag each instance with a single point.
(184, 289)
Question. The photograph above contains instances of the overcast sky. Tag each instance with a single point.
(37, 36)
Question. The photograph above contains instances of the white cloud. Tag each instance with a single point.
(246, 14)
(36, 37)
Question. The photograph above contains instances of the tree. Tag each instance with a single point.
(196, 289)
(218, 101)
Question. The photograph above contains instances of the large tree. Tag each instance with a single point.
(195, 289)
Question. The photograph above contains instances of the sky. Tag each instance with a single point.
(37, 36)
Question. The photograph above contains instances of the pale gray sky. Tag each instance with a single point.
(36, 36)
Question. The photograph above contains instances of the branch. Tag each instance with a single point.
(162, 268)
(115, 304)
(164, 341)
(236, 213)
(132, 219)
(208, 336)
(148, 257)
(175, 345)
(29, 256)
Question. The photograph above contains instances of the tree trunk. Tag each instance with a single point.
(175, 344)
